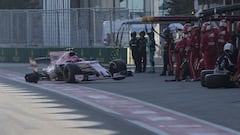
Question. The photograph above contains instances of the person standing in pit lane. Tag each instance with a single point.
(236, 76)
(208, 45)
(224, 36)
(195, 55)
(151, 47)
(141, 44)
(180, 54)
(134, 49)
(168, 46)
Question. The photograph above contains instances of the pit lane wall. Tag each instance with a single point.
(103, 55)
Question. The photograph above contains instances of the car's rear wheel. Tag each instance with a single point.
(59, 73)
(69, 73)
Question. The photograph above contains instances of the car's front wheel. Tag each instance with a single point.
(69, 73)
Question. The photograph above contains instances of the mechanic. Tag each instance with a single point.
(168, 46)
(224, 36)
(141, 44)
(236, 76)
(195, 56)
(180, 55)
(208, 45)
(188, 69)
(151, 46)
(134, 49)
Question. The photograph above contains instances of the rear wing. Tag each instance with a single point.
(51, 59)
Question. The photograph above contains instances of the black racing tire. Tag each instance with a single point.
(217, 80)
(203, 74)
(59, 73)
(118, 66)
(69, 73)
(32, 77)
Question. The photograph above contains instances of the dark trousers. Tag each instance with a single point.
(167, 61)
(135, 55)
(142, 61)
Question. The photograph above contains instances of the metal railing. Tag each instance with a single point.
(78, 28)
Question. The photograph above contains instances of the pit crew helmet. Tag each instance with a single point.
(142, 33)
(223, 23)
(187, 27)
(195, 29)
(133, 34)
(228, 47)
(151, 34)
(206, 27)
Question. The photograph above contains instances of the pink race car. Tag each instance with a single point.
(67, 66)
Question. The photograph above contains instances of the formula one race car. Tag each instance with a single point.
(67, 66)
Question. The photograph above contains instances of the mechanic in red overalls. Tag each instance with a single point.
(236, 76)
(195, 56)
(180, 53)
(208, 46)
(190, 49)
(224, 36)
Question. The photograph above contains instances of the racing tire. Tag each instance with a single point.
(69, 73)
(59, 74)
(203, 74)
(217, 80)
(118, 66)
(32, 77)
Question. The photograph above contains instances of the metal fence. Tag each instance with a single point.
(78, 28)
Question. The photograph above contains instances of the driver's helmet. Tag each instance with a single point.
(72, 53)
(228, 47)
(73, 56)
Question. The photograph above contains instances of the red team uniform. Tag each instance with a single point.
(224, 36)
(179, 54)
(182, 51)
(208, 46)
(195, 55)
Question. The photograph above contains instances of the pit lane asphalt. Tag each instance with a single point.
(220, 106)
(32, 110)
